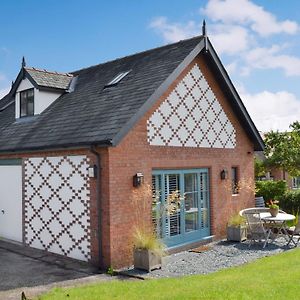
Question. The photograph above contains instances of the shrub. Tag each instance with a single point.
(271, 189)
(290, 202)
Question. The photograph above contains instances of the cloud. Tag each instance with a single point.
(231, 67)
(272, 111)
(222, 35)
(245, 12)
(173, 32)
(271, 58)
(230, 39)
(2, 77)
(237, 33)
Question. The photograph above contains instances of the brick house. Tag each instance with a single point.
(72, 144)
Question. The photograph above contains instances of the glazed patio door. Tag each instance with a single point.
(186, 192)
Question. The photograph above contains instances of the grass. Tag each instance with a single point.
(274, 277)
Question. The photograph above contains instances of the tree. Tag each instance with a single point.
(283, 150)
(259, 168)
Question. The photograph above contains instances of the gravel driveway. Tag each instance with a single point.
(221, 255)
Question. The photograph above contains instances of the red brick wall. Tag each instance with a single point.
(134, 154)
(278, 174)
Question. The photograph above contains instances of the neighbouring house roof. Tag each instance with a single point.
(94, 113)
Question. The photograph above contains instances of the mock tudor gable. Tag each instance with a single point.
(191, 116)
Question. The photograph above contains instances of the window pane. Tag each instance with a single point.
(234, 179)
(156, 205)
(30, 93)
(27, 103)
(23, 107)
(172, 187)
(204, 200)
(30, 107)
(191, 203)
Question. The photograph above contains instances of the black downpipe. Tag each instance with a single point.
(98, 203)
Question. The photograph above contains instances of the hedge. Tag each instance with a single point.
(270, 189)
(290, 202)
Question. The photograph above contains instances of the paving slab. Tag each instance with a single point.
(32, 271)
(23, 266)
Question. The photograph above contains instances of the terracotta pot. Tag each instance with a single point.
(274, 212)
(147, 260)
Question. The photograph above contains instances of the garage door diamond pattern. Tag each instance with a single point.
(191, 116)
(57, 199)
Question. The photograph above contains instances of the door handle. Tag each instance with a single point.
(3, 212)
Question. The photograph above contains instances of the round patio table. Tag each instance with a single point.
(281, 217)
(278, 222)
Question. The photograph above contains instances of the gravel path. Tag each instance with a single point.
(221, 255)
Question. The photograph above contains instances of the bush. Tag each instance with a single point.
(290, 202)
(270, 189)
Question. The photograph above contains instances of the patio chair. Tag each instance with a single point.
(255, 226)
(259, 202)
(295, 231)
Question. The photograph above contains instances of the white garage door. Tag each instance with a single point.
(11, 201)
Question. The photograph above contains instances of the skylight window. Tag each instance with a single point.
(117, 79)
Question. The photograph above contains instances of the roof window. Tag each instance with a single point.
(118, 78)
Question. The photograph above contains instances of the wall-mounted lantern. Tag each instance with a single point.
(138, 179)
(92, 171)
(224, 174)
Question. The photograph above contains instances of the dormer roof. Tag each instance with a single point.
(44, 78)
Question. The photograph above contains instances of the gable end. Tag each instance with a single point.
(191, 116)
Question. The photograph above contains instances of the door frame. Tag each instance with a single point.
(186, 237)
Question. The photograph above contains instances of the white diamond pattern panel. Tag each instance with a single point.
(57, 205)
(191, 116)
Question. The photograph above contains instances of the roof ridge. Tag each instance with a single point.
(137, 53)
(49, 72)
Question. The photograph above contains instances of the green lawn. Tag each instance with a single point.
(275, 277)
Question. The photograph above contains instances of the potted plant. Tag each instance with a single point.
(274, 207)
(148, 250)
(236, 229)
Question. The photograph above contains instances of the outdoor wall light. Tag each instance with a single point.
(224, 174)
(138, 179)
(92, 171)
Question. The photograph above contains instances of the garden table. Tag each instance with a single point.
(278, 222)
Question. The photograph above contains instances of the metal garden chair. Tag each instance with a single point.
(255, 226)
(295, 231)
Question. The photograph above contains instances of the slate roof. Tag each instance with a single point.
(44, 78)
(95, 114)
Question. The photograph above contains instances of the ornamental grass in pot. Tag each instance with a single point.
(148, 250)
(236, 228)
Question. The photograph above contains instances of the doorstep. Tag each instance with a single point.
(190, 245)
